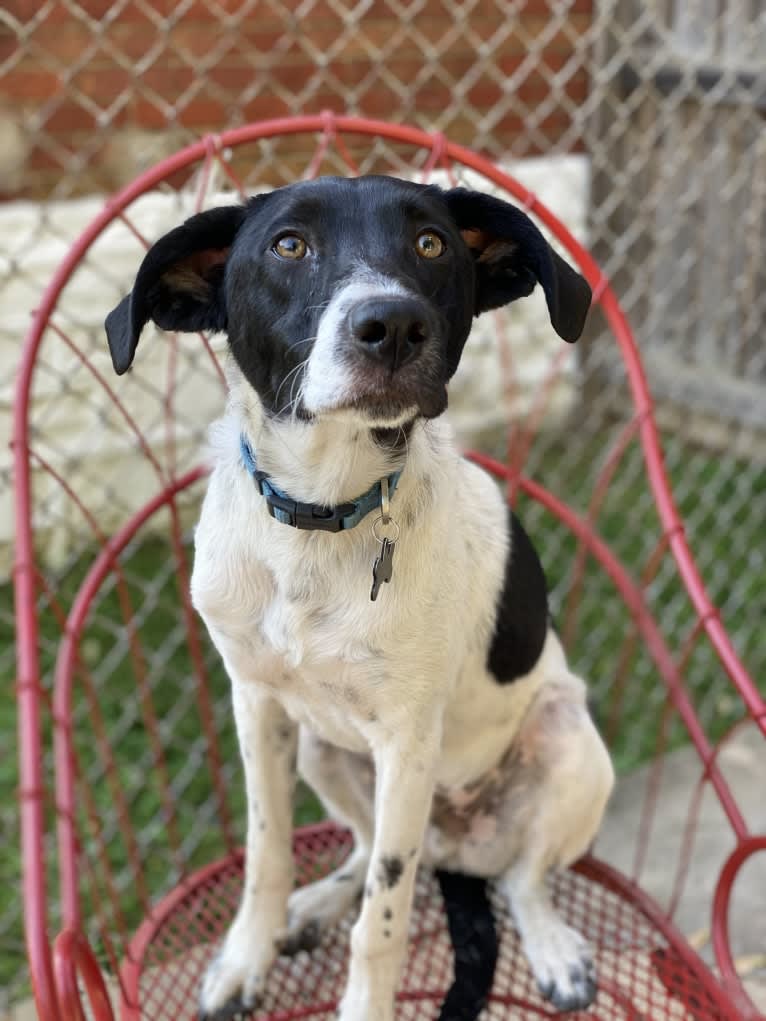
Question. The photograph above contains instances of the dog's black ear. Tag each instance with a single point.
(179, 284)
(511, 256)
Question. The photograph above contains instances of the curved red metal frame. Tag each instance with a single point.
(28, 677)
(73, 959)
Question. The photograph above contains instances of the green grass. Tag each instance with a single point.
(632, 741)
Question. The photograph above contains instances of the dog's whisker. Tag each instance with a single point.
(403, 432)
(290, 375)
(291, 405)
(300, 343)
(297, 399)
(294, 398)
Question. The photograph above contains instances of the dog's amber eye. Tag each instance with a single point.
(429, 245)
(290, 246)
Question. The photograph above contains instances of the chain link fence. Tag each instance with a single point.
(641, 124)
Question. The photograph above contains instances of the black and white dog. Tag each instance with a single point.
(381, 615)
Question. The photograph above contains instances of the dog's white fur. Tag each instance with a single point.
(384, 702)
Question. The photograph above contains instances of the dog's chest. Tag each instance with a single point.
(303, 629)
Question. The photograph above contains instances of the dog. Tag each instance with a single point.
(382, 617)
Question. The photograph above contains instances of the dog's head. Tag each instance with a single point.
(347, 296)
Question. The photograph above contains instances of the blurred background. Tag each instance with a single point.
(640, 124)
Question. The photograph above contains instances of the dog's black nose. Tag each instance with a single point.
(391, 330)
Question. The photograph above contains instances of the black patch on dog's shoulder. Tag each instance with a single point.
(522, 611)
(391, 869)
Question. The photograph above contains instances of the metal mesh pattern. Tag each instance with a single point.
(639, 969)
(663, 105)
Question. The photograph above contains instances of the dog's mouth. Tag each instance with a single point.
(394, 400)
(374, 409)
(379, 413)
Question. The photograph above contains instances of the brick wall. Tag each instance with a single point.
(94, 90)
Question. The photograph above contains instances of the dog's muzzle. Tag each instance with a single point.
(391, 331)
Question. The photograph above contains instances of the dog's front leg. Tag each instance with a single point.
(405, 769)
(268, 744)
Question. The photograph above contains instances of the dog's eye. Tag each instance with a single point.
(429, 245)
(290, 246)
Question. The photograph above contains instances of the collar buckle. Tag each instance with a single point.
(311, 517)
(308, 516)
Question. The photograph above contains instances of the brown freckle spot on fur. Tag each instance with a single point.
(387, 914)
(391, 869)
(387, 933)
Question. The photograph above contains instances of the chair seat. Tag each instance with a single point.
(647, 972)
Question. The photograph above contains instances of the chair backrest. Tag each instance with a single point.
(127, 739)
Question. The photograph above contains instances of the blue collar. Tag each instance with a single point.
(313, 516)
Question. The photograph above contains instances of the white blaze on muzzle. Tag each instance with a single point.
(330, 380)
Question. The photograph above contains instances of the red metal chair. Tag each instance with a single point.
(122, 703)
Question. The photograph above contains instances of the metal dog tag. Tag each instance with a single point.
(383, 567)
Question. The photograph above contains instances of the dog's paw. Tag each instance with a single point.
(563, 967)
(234, 981)
(317, 907)
(229, 988)
(302, 937)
